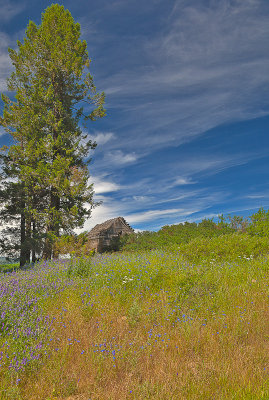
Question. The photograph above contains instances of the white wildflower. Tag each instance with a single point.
(127, 279)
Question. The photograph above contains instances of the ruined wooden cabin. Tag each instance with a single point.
(102, 235)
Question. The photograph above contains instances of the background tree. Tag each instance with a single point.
(259, 225)
(48, 157)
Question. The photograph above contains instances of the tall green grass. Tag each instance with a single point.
(225, 247)
(9, 267)
(190, 322)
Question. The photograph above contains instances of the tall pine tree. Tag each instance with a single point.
(51, 86)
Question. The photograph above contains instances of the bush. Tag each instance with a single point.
(259, 223)
(225, 247)
(9, 267)
(79, 267)
(173, 235)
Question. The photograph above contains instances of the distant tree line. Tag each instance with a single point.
(44, 179)
(171, 235)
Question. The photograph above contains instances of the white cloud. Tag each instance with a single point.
(5, 62)
(117, 157)
(101, 214)
(103, 186)
(153, 214)
(142, 199)
(102, 138)
(9, 9)
(132, 211)
(256, 196)
(205, 165)
(206, 67)
(184, 181)
(2, 131)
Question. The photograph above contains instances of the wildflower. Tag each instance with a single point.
(127, 279)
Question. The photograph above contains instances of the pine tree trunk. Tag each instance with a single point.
(53, 227)
(34, 243)
(27, 239)
(22, 245)
(55, 253)
(47, 249)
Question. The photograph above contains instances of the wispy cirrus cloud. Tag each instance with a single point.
(207, 66)
(2, 131)
(100, 214)
(171, 71)
(5, 62)
(102, 185)
(9, 9)
(101, 138)
(155, 208)
(118, 157)
(145, 200)
(257, 196)
(183, 181)
(153, 214)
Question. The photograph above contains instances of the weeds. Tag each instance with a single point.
(79, 267)
(148, 325)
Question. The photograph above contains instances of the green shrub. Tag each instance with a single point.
(9, 267)
(225, 247)
(79, 267)
(259, 223)
(172, 235)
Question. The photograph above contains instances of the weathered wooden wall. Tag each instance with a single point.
(101, 235)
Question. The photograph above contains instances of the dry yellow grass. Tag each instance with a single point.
(107, 353)
(143, 326)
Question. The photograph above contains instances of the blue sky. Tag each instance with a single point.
(187, 99)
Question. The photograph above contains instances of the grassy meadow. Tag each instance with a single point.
(188, 322)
